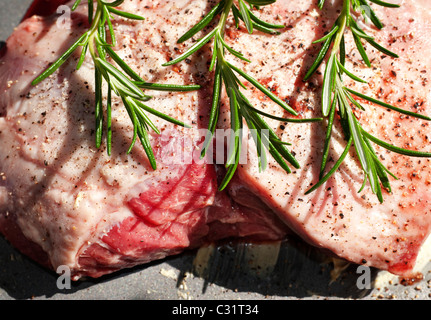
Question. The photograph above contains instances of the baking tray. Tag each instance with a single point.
(288, 270)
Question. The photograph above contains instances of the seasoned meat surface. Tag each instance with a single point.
(65, 202)
(353, 225)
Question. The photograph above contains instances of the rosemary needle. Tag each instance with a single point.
(336, 97)
(225, 74)
(121, 80)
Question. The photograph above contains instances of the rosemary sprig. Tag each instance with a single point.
(121, 80)
(337, 98)
(225, 74)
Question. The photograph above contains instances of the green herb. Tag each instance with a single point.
(121, 80)
(337, 98)
(226, 74)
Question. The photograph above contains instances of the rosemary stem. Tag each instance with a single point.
(224, 16)
(94, 29)
(342, 27)
(221, 31)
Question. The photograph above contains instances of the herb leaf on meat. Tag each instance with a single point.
(337, 98)
(121, 79)
(226, 74)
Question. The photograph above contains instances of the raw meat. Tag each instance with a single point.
(353, 225)
(64, 202)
